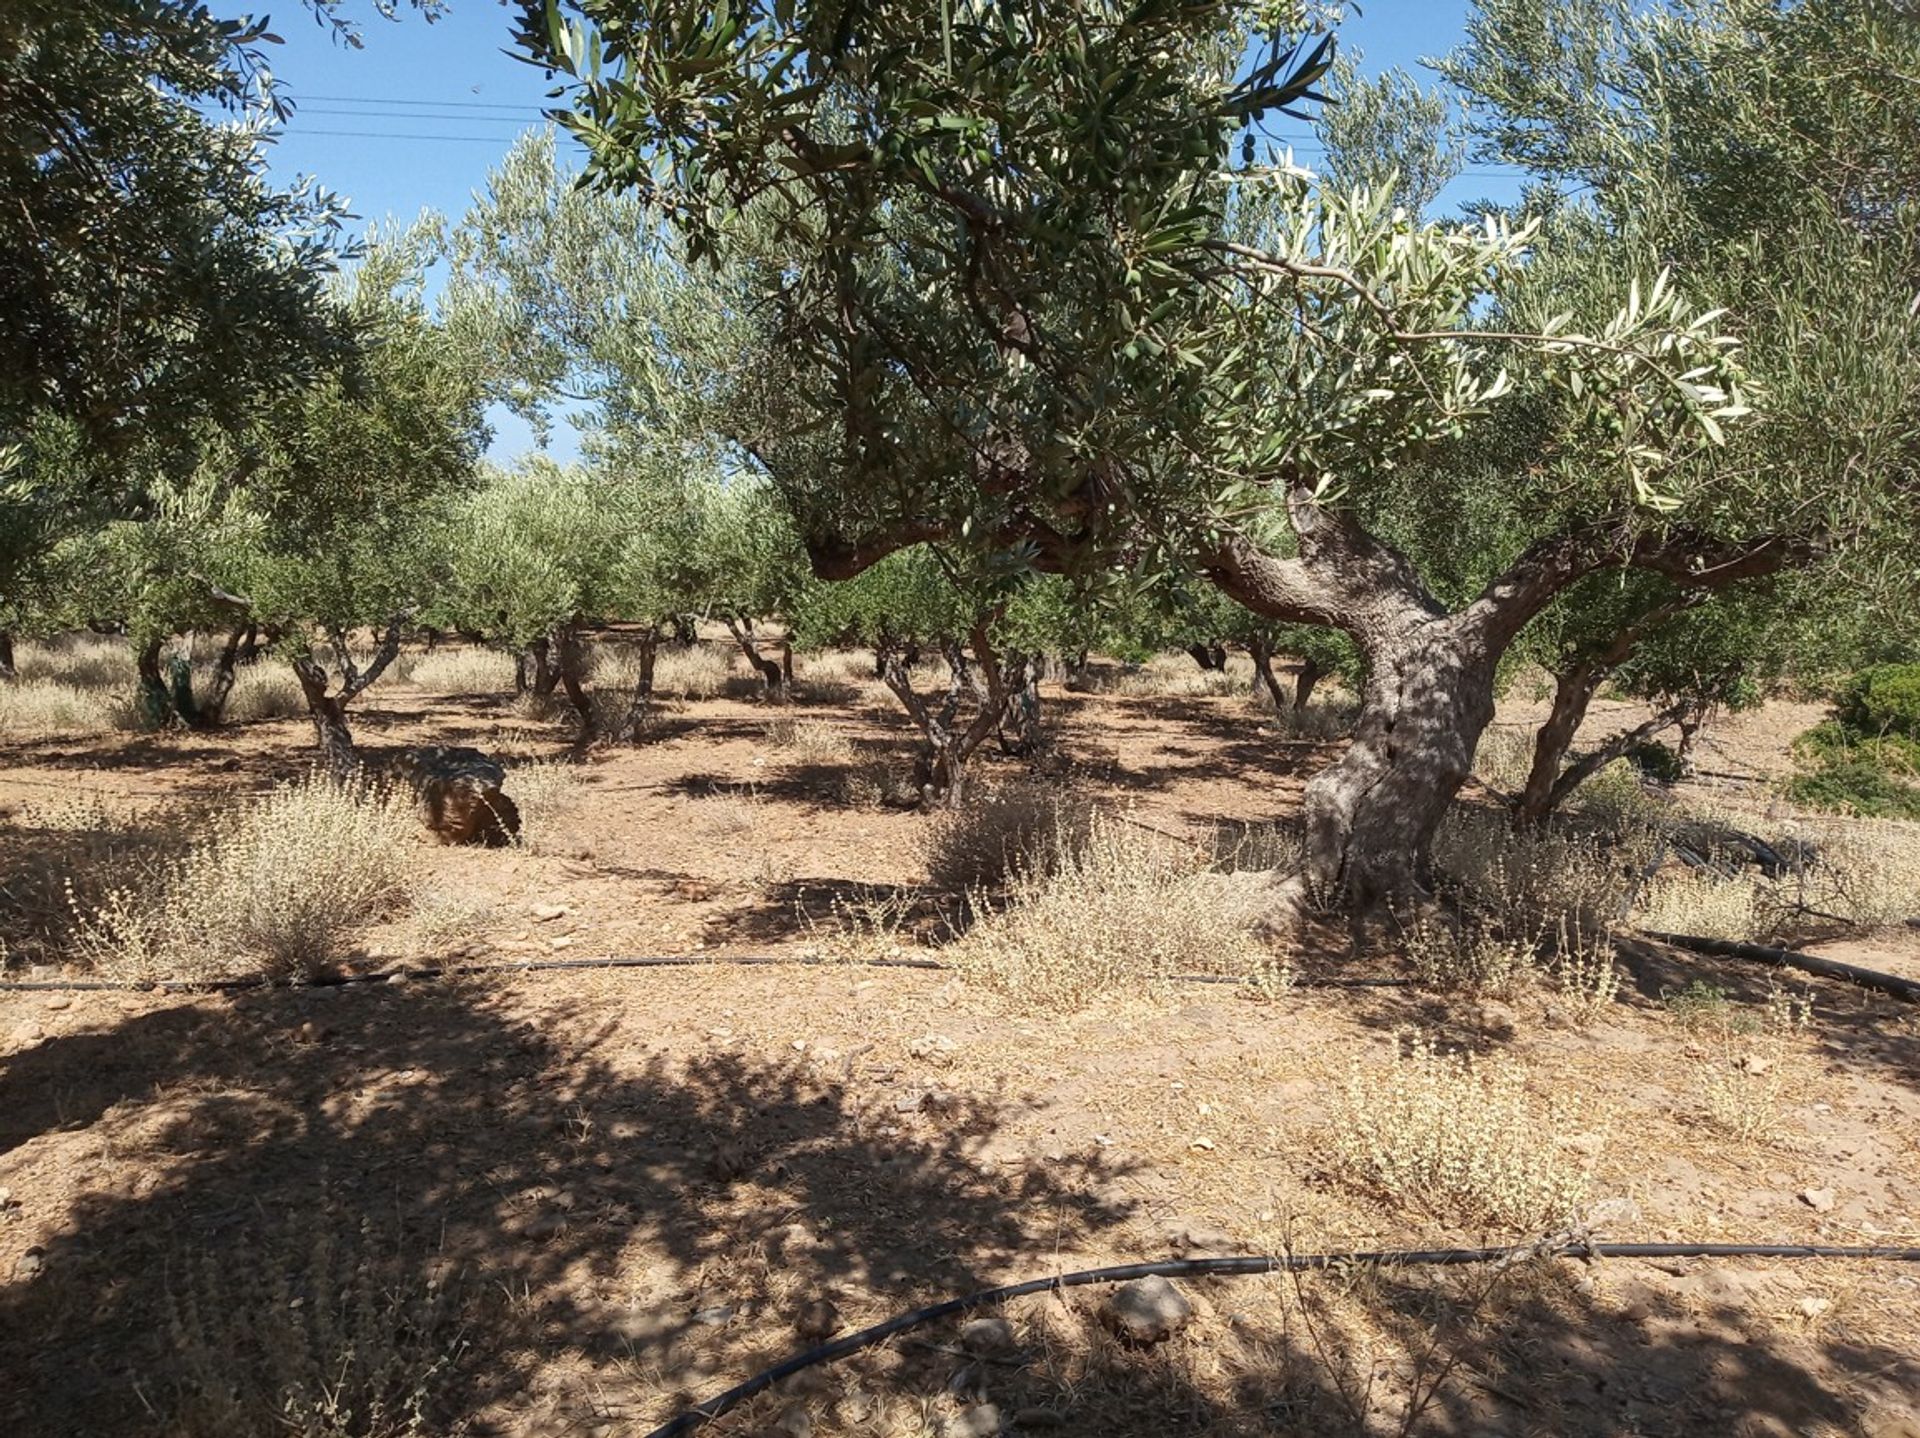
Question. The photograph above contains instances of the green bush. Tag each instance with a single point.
(1856, 785)
(1659, 762)
(1883, 700)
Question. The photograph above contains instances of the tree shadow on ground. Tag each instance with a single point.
(626, 1230)
(616, 1191)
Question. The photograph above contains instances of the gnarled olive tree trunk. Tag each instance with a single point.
(1371, 815)
(946, 743)
(327, 708)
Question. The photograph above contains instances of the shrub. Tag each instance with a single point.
(1531, 883)
(1859, 786)
(1884, 699)
(1712, 906)
(544, 791)
(1115, 909)
(1659, 762)
(1460, 1138)
(1014, 829)
(274, 886)
(1473, 956)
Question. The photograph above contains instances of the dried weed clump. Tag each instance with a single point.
(1503, 758)
(1538, 882)
(264, 690)
(274, 886)
(997, 833)
(328, 1335)
(545, 791)
(1471, 957)
(1460, 1138)
(1117, 909)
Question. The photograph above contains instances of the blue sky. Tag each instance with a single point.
(414, 118)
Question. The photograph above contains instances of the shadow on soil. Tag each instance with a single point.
(594, 1231)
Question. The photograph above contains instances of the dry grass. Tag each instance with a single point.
(1461, 1139)
(39, 708)
(809, 741)
(732, 811)
(463, 670)
(1175, 676)
(1503, 757)
(442, 920)
(1471, 957)
(1115, 910)
(85, 661)
(546, 792)
(264, 690)
(699, 672)
(1530, 884)
(315, 1330)
(997, 833)
(1327, 717)
(1864, 873)
(273, 886)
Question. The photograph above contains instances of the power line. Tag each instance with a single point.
(392, 135)
(408, 115)
(442, 104)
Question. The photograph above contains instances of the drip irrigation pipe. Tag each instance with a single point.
(659, 961)
(1238, 1268)
(1894, 984)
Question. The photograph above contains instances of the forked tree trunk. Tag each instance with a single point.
(770, 671)
(1305, 678)
(328, 711)
(940, 766)
(156, 704)
(1074, 667)
(329, 715)
(533, 671)
(1573, 691)
(204, 711)
(1210, 657)
(1263, 676)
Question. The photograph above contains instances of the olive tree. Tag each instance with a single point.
(917, 600)
(1774, 153)
(1037, 293)
(352, 478)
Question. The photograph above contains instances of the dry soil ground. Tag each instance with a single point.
(592, 1197)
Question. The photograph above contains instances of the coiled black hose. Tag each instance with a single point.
(706, 1412)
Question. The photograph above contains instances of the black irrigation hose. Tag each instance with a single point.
(660, 961)
(1894, 984)
(1237, 1268)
